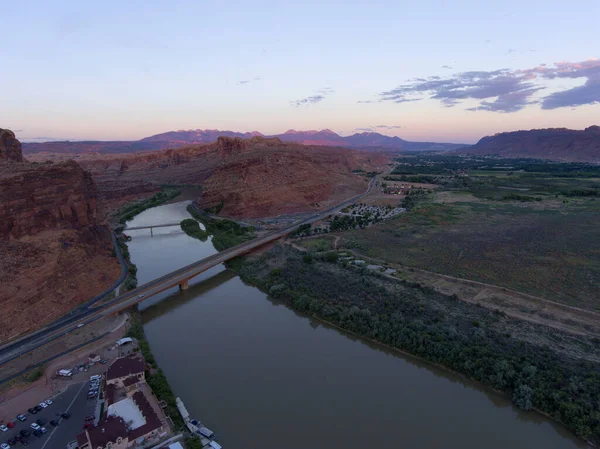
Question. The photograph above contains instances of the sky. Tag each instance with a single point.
(434, 70)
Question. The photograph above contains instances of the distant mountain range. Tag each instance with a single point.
(559, 144)
(176, 139)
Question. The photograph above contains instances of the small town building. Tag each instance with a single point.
(123, 368)
(109, 434)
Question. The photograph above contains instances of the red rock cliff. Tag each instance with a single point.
(50, 196)
(10, 147)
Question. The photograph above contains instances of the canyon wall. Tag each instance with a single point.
(10, 147)
(54, 252)
(35, 197)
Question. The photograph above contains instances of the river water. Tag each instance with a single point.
(262, 376)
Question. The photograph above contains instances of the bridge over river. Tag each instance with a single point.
(180, 277)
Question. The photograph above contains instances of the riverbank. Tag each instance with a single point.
(128, 212)
(226, 233)
(496, 351)
(156, 379)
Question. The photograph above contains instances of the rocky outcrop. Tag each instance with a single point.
(558, 144)
(54, 253)
(10, 147)
(269, 178)
(36, 197)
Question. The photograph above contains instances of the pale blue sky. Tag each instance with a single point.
(128, 69)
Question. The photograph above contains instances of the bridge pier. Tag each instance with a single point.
(183, 285)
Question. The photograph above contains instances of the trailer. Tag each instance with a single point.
(65, 372)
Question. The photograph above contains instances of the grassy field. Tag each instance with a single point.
(549, 248)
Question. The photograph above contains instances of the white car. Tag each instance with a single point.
(3, 428)
(49, 402)
(5, 446)
(80, 325)
(43, 405)
(43, 430)
(35, 426)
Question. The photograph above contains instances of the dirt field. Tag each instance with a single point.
(549, 250)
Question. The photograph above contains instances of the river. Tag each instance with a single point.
(262, 376)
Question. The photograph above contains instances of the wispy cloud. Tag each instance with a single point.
(256, 78)
(446, 67)
(365, 101)
(388, 126)
(373, 128)
(504, 90)
(321, 94)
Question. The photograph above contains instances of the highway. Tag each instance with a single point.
(85, 315)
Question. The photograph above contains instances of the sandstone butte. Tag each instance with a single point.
(559, 144)
(54, 254)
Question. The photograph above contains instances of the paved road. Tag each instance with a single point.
(74, 401)
(63, 326)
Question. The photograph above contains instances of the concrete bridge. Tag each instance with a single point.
(180, 277)
(134, 228)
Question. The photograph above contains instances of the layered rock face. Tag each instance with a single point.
(10, 147)
(35, 197)
(54, 254)
(558, 144)
(264, 177)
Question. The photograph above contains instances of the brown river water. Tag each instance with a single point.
(263, 376)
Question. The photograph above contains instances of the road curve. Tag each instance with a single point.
(70, 321)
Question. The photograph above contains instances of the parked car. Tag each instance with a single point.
(43, 405)
(38, 408)
(65, 415)
(5, 446)
(103, 361)
(40, 422)
(25, 433)
(54, 423)
(90, 418)
(48, 401)
(43, 430)
(10, 424)
(24, 441)
(32, 410)
(12, 441)
(35, 426)
(3, 428)
(22, 418)
(37, 433)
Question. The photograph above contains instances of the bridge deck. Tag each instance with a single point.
(152, 226)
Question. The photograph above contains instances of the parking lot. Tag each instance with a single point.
(73, 401)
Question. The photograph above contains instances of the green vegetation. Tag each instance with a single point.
(545, 250)
(317, 245)
(226, 233)
(488, 347)
(129, 211)
(192, 228)
(156, 378)
(444, 164)
(131, 280)
(302, 230)
(34, 374)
